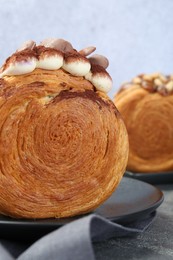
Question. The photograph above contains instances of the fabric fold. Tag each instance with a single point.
(74, 240)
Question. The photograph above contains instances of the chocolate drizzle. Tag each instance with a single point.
(87, 94)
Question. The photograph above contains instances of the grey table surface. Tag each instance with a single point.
(154, 243)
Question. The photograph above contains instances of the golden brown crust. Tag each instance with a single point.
(148, 118)
(63, 146)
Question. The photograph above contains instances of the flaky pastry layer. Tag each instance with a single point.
(63, 145)
(148, 118)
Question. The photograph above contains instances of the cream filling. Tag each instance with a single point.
(101, 82)
(50, 63)
(77, 68)
(20, 67)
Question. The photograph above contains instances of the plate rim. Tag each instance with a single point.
(160, 178)
(147, 210)
(130, 173)
(40, 223)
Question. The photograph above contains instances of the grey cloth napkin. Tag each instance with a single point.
(74, 240)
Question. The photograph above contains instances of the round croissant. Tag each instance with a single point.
(63, 144)
(146, 105)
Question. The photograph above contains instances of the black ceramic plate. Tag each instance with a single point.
(152, 178)
(131, 201)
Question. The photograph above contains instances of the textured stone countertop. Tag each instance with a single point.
(154, 243)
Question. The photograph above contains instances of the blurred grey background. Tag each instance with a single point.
(135, 35)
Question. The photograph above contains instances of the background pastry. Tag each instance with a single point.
(146, 104)
(63, 144)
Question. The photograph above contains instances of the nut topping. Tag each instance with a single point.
(99, 60)
(137, 80)
(155, 82)
(87, 51)
(27, 45)
(58, 44)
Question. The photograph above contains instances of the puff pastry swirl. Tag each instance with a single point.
(146, 105)
(63, 145)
